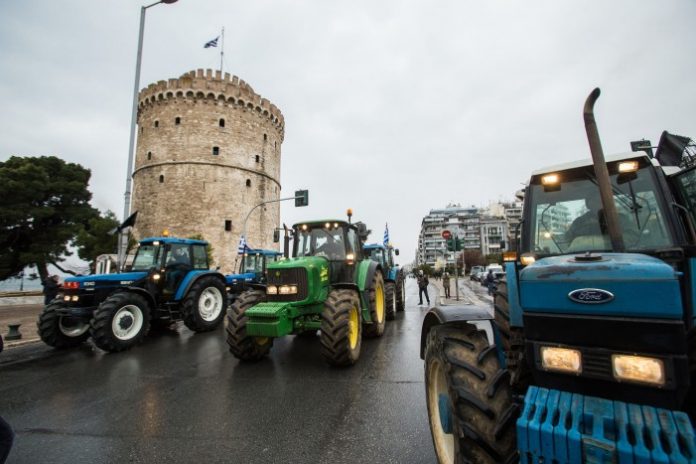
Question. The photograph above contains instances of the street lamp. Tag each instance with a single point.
(123, 241)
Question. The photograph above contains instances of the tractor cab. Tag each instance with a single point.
(252, 269)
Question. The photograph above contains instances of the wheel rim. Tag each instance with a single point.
(379, 304)
(127, 322)
(71, 327)
(210, 304)
(437, 386)
(353, 327)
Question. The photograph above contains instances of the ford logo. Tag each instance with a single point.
(591, 296)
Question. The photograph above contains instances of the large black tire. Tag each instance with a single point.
(120, 322)
(511, 339)
(340, 328)
(400, 293)
(241, 345)
(390, 298)
(60, 332)
(462, 374)
(204, 305)
(377, 307)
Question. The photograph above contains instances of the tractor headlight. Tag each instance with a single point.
(75, 298)
(638, 369)
(66, 298)
(156, 277)
(561, 359)
(271, 290)
(287, 289)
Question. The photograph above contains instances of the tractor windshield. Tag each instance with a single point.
(147, 256)
(567, 214)
(327, 240)
(252, 263)
(376, 254)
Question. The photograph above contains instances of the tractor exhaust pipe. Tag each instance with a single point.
(286, 242)
(602, 174)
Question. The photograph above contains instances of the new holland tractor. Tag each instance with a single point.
(169, 280)
(393, 276)
(327, 285)
(252, 270)
(590, 353)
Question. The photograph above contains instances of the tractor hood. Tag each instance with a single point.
(617, 284)
(236, 278)
(309, 262)
(125, 278)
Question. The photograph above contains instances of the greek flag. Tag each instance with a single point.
(385, 241)
(211, 43)
(241, 248)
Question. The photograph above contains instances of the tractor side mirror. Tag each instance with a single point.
(276, 236)
(396, 252)
(502, 244)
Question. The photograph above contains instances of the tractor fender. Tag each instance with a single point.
(347, 286)
(140, 291)
(191, 278)
(366, 272)
(480, 315)
(256, 286)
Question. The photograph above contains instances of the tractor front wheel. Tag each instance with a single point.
(242, 346)
(204, 306)
(400, 294)
(470, 409)
(340, 328)
(390, 290)
(120, 322)
(377, 308)
(61, 332)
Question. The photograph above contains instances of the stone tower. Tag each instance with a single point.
(208, 151)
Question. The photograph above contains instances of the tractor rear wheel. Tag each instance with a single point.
(470, 409)
(242, 346)
(400, 294)
(511, 339)
(58, 331)
(377, 303)
(340, 328)
(120, 322)
(390, 290)
(204, 305)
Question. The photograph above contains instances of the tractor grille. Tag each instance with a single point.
(293, 276)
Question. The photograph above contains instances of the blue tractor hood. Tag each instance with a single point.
(619, 284)
(125, 278)
(235, 278)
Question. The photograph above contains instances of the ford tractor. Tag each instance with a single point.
(328, 285)
(168, 281)
(589, 354)
(393, 276)
(252, 271)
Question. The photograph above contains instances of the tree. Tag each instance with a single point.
(95, 238)
(44, 202)
(473, 258)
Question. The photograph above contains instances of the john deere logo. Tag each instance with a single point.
(591, 296)
(277, 274)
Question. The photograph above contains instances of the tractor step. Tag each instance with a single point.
(565, 427)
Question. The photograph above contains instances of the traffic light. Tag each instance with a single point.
(454, 244)
(301, 197)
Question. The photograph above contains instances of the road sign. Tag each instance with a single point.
(446, 234)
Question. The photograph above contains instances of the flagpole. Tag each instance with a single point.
(222, 48)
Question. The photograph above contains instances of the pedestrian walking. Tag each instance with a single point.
(446, 284)
(423, 288)
(490, 282)
(50, 288)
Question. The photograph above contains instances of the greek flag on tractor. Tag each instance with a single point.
(241, 248)
(386, 235)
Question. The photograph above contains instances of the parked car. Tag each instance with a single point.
(474, 272)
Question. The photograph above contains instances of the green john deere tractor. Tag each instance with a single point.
(327, 285)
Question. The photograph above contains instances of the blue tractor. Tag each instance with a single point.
(169, 280)
(393, 276)
(252, 271)
(589, 354)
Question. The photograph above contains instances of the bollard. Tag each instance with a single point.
(14, 333)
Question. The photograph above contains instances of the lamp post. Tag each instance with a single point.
(123, 239)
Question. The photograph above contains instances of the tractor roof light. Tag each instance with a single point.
(165, 233)
(628, 166)
(550, 179)
(564, 360)
(509, 256)
(639, 369)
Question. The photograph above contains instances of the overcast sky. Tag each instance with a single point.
(392, 108)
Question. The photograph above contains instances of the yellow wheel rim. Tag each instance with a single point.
(261, 341)
(379, 304)
(353, 327)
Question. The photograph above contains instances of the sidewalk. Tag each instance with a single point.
(467, 296)
(20, 310)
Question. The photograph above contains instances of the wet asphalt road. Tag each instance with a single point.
(181, 397)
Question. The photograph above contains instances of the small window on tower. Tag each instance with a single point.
(228, 225)
(156, 123)
(216, 151)
(248, 183)
(265, 137)
(149, 155)
(162, 179)
(222, 122)
(258, 158)
(177, 120)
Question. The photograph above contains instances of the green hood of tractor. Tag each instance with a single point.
(313, 265)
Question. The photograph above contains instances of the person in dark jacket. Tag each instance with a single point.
(423, 288)
(490, 281)
(50, 288)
